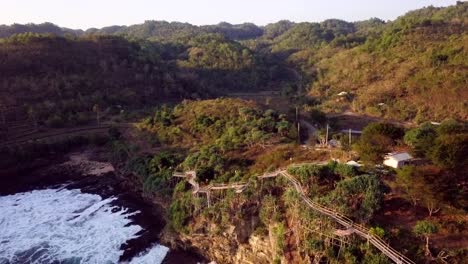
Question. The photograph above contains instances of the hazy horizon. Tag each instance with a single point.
(87, 14)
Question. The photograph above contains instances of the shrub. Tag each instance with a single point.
(306, 173)
(158, 182)
(55, 121)
(345, 170)
(279, 232)
(377, 231)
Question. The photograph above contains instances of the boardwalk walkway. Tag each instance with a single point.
(347, 223)
(360, 230)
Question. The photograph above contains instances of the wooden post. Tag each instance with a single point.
(298, 133)
(350, 137)
(197, 200)
(208, 198)
(297, 114)
(298, 126)
(326, 137)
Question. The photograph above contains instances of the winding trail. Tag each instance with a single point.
(103, 128)
(346, 222)
(349, 113)
(360, 230)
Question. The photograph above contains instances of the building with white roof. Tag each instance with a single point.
(397, 160)
(353, 163)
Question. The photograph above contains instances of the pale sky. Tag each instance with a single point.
(84, 14)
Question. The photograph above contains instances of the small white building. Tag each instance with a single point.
(353, 163)
(397, 160)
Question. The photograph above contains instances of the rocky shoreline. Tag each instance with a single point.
(87, 169)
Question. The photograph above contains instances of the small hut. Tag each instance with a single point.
(397, 160)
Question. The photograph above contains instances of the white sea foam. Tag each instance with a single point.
(66, 226)
(156, 252)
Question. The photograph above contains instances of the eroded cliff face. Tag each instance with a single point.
(232, 245)
(235, 242)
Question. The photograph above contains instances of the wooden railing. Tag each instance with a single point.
(345, 221)
(362, 231)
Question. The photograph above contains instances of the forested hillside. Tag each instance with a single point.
(407, 69)
(8, 31)
(409, 72)
(58, 80)
(278, 177)
(230, 142)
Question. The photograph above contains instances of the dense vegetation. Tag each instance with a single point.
(217, 133)
(445, 144)
(49, 28)
(408, 72)
(230, 140)
(406, 69)
(411, 69)
(60, 81)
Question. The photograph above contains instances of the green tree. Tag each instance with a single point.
(406, 179)
(269, 210)
(421, 139)
(372, 148)
(385, 129)
(420, 186)
(450, 127)
(179, 212)
(359, 196)
(450, 151)
(163, 160)
(425, 229)
(376, 140)
(283, 127)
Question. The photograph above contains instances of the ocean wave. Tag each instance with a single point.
(67, 226)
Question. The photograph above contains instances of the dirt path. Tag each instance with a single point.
(64, 131)
(353, 120)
